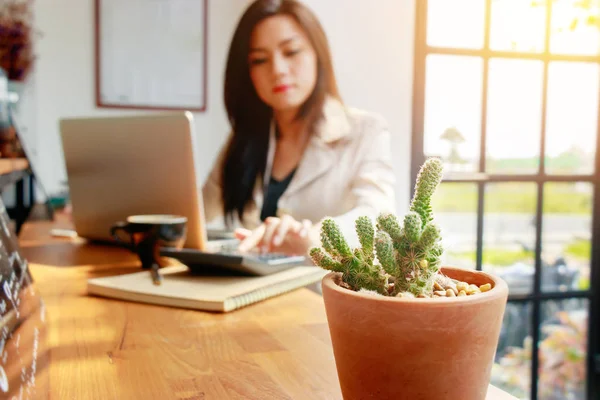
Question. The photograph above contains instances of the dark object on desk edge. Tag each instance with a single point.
(248, 264)
(156, 277)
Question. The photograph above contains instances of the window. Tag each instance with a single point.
(506, 93)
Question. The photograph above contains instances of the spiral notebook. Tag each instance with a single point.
(181, 288)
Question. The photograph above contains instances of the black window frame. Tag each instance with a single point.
(481, 178)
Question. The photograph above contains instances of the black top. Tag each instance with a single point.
(274, 191)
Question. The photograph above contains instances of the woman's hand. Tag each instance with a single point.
(277, 235)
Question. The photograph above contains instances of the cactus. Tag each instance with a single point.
(408, 255)
(357, 267)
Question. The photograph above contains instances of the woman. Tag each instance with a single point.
(296, 154)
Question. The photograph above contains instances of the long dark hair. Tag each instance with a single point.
(246, 153)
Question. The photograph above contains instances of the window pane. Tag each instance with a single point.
(518, 25)
(514, 116)
(567, 231)
(509, 234)
(512, 367)
(455, 211)
(572, 117)
(453, 111)
(575, 27)
(563, 349)
(457, 23)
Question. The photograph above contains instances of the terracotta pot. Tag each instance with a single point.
(399, 348)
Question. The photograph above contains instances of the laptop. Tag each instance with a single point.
(145, 164)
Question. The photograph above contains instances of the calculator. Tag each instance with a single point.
(229, 258)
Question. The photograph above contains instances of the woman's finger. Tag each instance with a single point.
(271, 225)
(242, 233)
(305, 228)
(287, 223)
(253, 240)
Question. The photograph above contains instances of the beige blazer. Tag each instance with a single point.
(345, 172)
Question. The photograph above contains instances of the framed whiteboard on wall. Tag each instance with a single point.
(151, 54)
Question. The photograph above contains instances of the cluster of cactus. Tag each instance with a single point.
(393, 259)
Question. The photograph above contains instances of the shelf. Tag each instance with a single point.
(12, 170)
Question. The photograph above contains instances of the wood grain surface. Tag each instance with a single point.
(96, 348)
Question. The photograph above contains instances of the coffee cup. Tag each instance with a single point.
(148, 233)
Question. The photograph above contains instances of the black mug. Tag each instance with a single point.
(148, 233)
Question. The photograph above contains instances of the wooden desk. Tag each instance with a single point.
(106, 349)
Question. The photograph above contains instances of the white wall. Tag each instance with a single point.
(372, 46)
